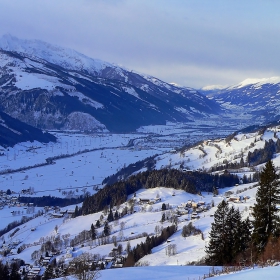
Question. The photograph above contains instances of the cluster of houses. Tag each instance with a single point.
(193, 208)
(236, 198)
(8, 199)
(34, 271)
(190, 207)
(30, 271)
(58, 213)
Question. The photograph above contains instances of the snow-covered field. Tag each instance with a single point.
(188, 273)
(145, 220)
(93, 157)
(105, 155)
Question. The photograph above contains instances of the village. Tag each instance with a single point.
(183, 212)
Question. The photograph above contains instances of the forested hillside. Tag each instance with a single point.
(192, 182)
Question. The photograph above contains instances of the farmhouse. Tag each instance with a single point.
(145, 200)
(35, 271)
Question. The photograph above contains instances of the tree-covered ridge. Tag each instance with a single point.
(259, 156)
(192, 182)
(50, 200)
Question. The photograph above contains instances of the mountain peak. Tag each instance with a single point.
(67, 58)
(258, 82)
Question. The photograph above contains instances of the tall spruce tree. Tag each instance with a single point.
(217, 249)
(48, 273)
(229, 236)
(266, 221)
(93, 232)
(4, 272)
(106, 230)
(241, 235)
(14, 272)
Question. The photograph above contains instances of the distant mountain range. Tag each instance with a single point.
(50, 87)
(259, 97)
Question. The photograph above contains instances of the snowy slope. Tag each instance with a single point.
(259, 97)
(64, 57)
(36, 75)
(256, 82)
(147, 217)
(213, 153)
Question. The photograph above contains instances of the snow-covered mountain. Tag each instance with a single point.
(52, 87)
(13, 131)
(259, 97)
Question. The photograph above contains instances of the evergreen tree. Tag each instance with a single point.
(14, 272)
(93, 232)
(217, 249)
(232, 219)
(242, 164)
(116, 215)
(76, 212)
(106, 230)
(229, 236)
(97, 224)
(48, 273)
(4, 272)
(110, 216)
(266, 221)
(244, 236)
(162, 218)
(240, 233)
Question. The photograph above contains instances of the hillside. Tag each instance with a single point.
(258, 97)
(142, 216)
(55, 88)
(13, 131)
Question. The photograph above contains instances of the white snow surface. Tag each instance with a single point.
(185, 273)
(213, 87)
(87, 170)
(65, 57)
(257, 82)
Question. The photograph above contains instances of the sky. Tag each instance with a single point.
(193, 43)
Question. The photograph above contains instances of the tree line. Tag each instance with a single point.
(50, 200)
(191, 182)
(259, 156)
(145, 248)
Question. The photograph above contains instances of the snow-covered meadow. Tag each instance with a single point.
(96, 156)
(85, 160)
(131, 227)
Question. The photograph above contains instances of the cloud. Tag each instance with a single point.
(189, 42)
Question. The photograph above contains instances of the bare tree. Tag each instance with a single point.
(122, 225)
(114, 240)
(81, 267)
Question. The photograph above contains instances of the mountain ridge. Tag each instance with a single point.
(48, 90)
